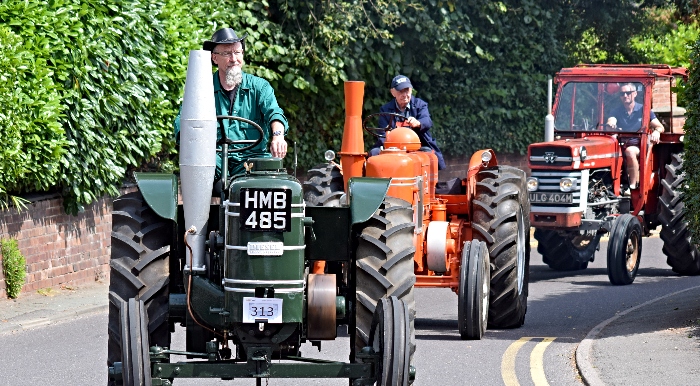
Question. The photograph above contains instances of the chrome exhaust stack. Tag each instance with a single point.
(197, 153)
(549, 119)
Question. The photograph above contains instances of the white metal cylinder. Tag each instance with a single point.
(197, 151)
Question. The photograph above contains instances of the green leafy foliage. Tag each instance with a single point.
(32, 138)
(91, 87)
(691, 164)
(665, 41)
(105, 99)
(13, 267)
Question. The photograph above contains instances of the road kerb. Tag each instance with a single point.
(589, 374)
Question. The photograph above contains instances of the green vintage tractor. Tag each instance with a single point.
(240, 272)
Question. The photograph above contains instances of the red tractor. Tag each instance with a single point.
(579, 188)
(470, 234)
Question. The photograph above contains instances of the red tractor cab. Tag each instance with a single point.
(578, 178)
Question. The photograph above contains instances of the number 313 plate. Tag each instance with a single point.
(269, 309)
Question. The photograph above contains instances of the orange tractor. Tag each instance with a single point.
(469, 234)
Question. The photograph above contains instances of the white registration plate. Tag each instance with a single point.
(552, 198)
(257, 309)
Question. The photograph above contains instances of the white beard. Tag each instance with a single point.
(234, 77)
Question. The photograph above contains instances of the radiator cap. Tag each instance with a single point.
(271, 164)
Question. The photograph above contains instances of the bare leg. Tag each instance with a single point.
(631, 154)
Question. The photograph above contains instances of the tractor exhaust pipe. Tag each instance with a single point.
(352, 150)
(549, 119)
(197, 153)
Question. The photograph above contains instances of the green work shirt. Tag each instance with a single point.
(255, 100)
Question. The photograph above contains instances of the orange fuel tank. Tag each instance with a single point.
(401, 161)
(400, 167)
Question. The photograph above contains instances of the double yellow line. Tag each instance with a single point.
(510, 378)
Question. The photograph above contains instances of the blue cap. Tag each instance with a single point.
(400, 82)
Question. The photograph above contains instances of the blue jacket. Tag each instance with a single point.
(418, 109)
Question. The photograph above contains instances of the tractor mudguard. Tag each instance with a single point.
(476, 163)
(366, 194)
(329, 239)
(160, 192)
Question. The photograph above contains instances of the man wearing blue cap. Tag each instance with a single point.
(417, 117)
(244, 95)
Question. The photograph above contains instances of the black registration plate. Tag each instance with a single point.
(552, 198)
(266, 210)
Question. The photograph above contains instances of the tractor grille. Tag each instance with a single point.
(550, 198)
(550, 156)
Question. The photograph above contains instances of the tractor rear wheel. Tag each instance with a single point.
(499, 222)
(384, 266)
(681, 252)
(324, 185)
(139, 270)
(474, 288)
(389, 336)
(563, 253)
(624, 249)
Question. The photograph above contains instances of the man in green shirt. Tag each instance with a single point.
(243, 95)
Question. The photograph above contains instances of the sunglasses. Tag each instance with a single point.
(625, 93)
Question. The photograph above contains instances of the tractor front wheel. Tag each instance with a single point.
(389, 336)
(474, 288)
(624, 249)
(569, 252)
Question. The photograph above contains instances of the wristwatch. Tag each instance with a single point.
(276, 133)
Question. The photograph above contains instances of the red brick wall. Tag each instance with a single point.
(60, 249)
(661, 96)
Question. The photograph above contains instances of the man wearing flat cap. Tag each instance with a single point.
(243, 95)
(417, 117)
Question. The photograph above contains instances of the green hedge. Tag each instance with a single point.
(92, 86)
(691, 163)
(96, 102)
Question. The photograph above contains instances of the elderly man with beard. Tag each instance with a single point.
(247, 96)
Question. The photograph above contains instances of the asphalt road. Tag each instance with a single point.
(562, 309)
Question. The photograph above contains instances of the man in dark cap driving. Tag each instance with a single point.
(417, 117)
(243, 95)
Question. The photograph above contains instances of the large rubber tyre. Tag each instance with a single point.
(389, 336)
(681, 252)
(384, 266)
(324, 185)
(624, 249)
(139, 270)
(560, 253)
(474, 289)
(499, 221)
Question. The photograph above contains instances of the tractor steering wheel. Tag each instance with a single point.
(375, 131)
(253, 142)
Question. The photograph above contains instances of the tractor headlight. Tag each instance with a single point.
(329, 155)
(486, 157)
(532, 184)
(567, 184)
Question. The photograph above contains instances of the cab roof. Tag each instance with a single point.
(622, 71)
